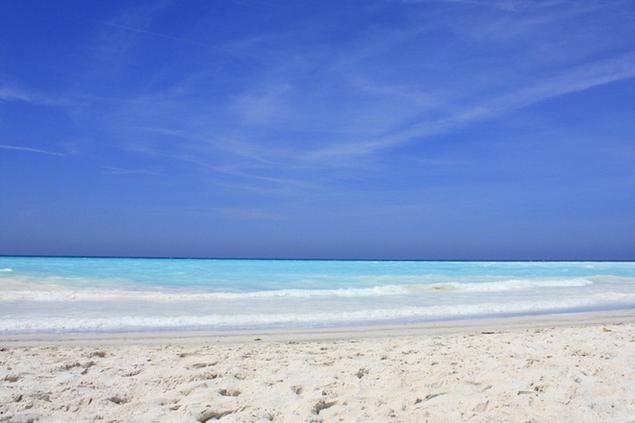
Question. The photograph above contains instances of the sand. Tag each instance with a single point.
(578, 368)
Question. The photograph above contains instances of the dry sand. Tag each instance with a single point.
(576, 368)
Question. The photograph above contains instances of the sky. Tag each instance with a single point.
(448, 129)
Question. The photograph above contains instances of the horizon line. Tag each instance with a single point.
(317, 258)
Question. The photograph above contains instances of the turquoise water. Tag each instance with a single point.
(119, 294)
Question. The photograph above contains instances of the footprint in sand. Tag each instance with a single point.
(323, 405)
(117, 399)
(208, 415)
(229, 392)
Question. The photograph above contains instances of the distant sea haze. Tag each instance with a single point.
(52, 294)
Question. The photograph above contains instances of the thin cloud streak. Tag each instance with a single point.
(506, 5)
(235, 147)
(151, 33)
(31, 150)
(227, 170)
(11, 92)
(8, 93)
(118, 171)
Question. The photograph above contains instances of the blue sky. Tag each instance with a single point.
(377, 129)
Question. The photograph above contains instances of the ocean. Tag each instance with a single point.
(83, 294)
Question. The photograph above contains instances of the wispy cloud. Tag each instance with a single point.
(30, 150)
(262, 107)
(117, 171)
(507, 5)
(232, 146)
(122, 32)
(292, 109)
(232, 170)
(8, 93)
(152, 33)
(12, 92)
(575, 79)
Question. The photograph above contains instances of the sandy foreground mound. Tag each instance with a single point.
(576, 374)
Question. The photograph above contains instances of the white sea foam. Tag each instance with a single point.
(6, 269)
(219, 321)
(513, 285)
(65, 294)
(28, 291)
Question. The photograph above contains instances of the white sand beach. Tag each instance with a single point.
(573, 368)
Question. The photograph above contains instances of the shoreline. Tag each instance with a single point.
(437, 328)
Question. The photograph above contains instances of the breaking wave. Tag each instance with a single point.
(21, 291)
(226, 321)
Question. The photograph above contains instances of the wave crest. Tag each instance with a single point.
(228, 321)
(29, 291)
(512, 285)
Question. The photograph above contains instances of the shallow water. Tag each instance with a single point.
(45, 294)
